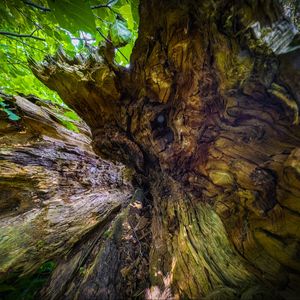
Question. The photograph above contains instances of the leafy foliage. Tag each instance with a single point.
(120, 35)
(73, 15)
(37, 28)
(10, 114)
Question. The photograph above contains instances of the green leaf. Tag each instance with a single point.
(74, 15)
(2, 104)
(12, 116)
(135, 12)
(72, 115)
(126, 13)
(120, 35)
(117, 3)
(70, 125)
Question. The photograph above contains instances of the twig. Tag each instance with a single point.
(106, 39)
(47, 9)
(31, 34)
(32, 47)
(27, 17)
(37, 6)
(109, 41)
(136, 238)
(22, 35)
(82, 39)
(122, 55)
(23, 43)
(19, 61)
(99, 6)
(107, 5)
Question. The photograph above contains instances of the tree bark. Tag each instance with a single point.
(207, 115)
(54, 189)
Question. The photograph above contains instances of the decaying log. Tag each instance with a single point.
(113, 264)
(54, 189)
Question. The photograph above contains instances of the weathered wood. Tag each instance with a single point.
(111, 264)
(54, 189)
(208, 116)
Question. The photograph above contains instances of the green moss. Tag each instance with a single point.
(82, 271)
(107, 233)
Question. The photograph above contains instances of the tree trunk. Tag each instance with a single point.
(55, 192)
(207, 116)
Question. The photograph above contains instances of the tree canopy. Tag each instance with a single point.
(35, 29)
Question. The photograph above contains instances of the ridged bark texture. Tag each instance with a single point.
(54, 189)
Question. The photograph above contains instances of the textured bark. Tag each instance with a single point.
(54, 189)
(112, 265)
(207, 115)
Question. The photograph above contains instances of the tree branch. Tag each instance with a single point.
(86, 191)
(91, 84)
(99, 6)
(63, 76)
(22, 35)
(105, 6)
(25, 44)
(46, 9)
(102, 5)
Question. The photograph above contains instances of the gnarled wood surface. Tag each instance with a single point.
(54, 189)
(208, 116)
